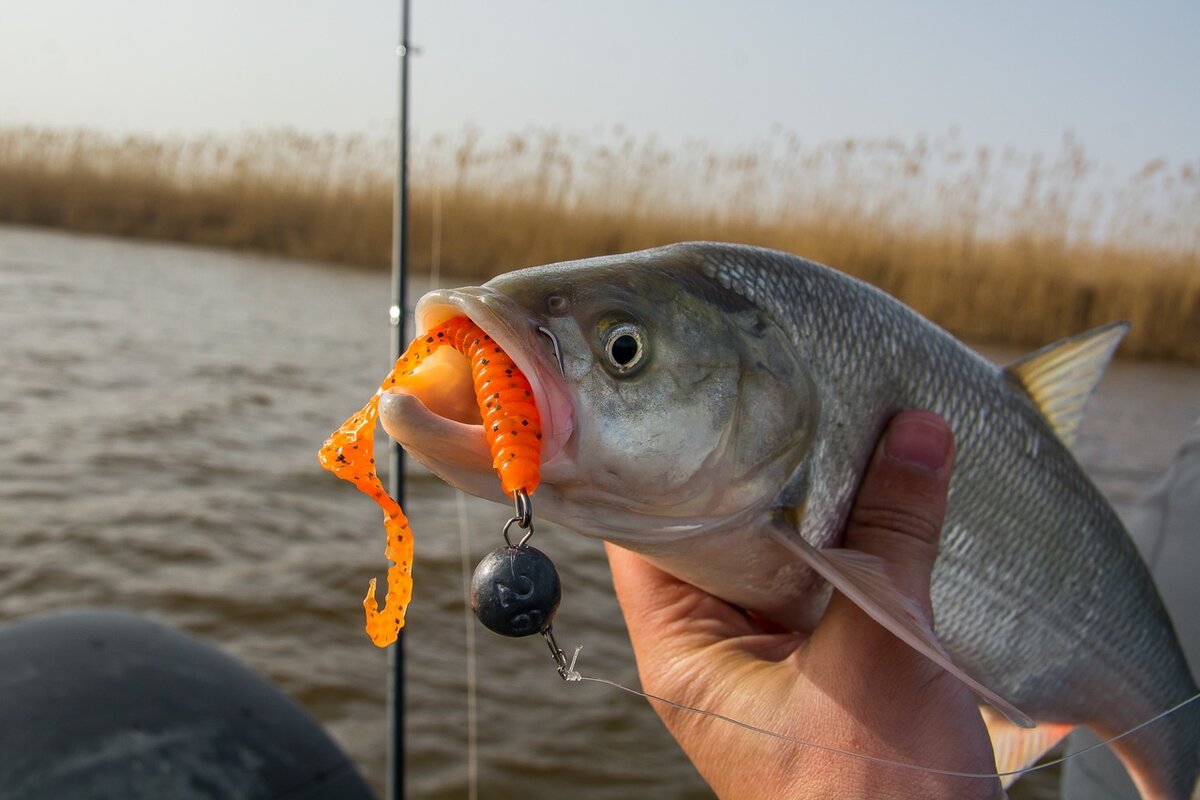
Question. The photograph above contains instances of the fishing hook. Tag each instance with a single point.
(557, 351)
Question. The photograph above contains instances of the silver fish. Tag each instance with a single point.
(713, 407)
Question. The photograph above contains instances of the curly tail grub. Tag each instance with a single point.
(510, 423)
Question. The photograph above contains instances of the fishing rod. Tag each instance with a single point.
(395, 755)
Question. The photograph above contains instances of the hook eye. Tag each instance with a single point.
(517, 522)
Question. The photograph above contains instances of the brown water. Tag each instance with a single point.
(162, 407)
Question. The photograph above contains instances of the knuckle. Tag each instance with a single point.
(906, 521)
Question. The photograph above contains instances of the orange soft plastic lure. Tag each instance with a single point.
(510, 423)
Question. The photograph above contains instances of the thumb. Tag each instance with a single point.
(900, 506)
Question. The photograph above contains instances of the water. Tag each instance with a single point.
(162, 407)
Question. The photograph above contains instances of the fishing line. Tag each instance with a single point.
(464, 543)
(464, 549)
(571, 675)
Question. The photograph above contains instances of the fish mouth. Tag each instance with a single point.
(439, 423)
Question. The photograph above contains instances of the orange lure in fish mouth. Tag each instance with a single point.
(435, 414)
(467, 382)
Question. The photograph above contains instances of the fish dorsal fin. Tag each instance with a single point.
(862, 579)
(1061, 377)
(1018, 749)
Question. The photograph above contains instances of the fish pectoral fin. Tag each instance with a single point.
(1017, 749)
(863, 580)
(1061, 377)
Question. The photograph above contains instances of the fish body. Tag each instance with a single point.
(708, 405)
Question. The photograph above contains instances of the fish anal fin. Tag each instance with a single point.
(1061, 377)
(1018, 749)
(863, 580)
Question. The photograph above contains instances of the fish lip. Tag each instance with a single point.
(516, 331)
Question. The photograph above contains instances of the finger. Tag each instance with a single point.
(901, 504)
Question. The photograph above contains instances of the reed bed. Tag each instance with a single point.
(996, 246)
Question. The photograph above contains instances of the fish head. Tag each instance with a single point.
(670, 405)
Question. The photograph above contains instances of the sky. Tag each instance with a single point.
(1123, 76)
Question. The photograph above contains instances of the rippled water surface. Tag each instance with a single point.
(162, 407)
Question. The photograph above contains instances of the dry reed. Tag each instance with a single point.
(1001, 247)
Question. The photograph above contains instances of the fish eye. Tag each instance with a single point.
(624, 347)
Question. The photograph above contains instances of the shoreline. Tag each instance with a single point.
(864, 209)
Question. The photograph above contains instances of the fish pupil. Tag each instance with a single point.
(624, 349)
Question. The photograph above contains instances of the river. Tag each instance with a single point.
(162, 408)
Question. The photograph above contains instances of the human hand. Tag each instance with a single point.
(851, 684)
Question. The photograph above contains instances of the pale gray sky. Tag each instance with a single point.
(1124, 76)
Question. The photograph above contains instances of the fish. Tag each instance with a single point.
(713, 408)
